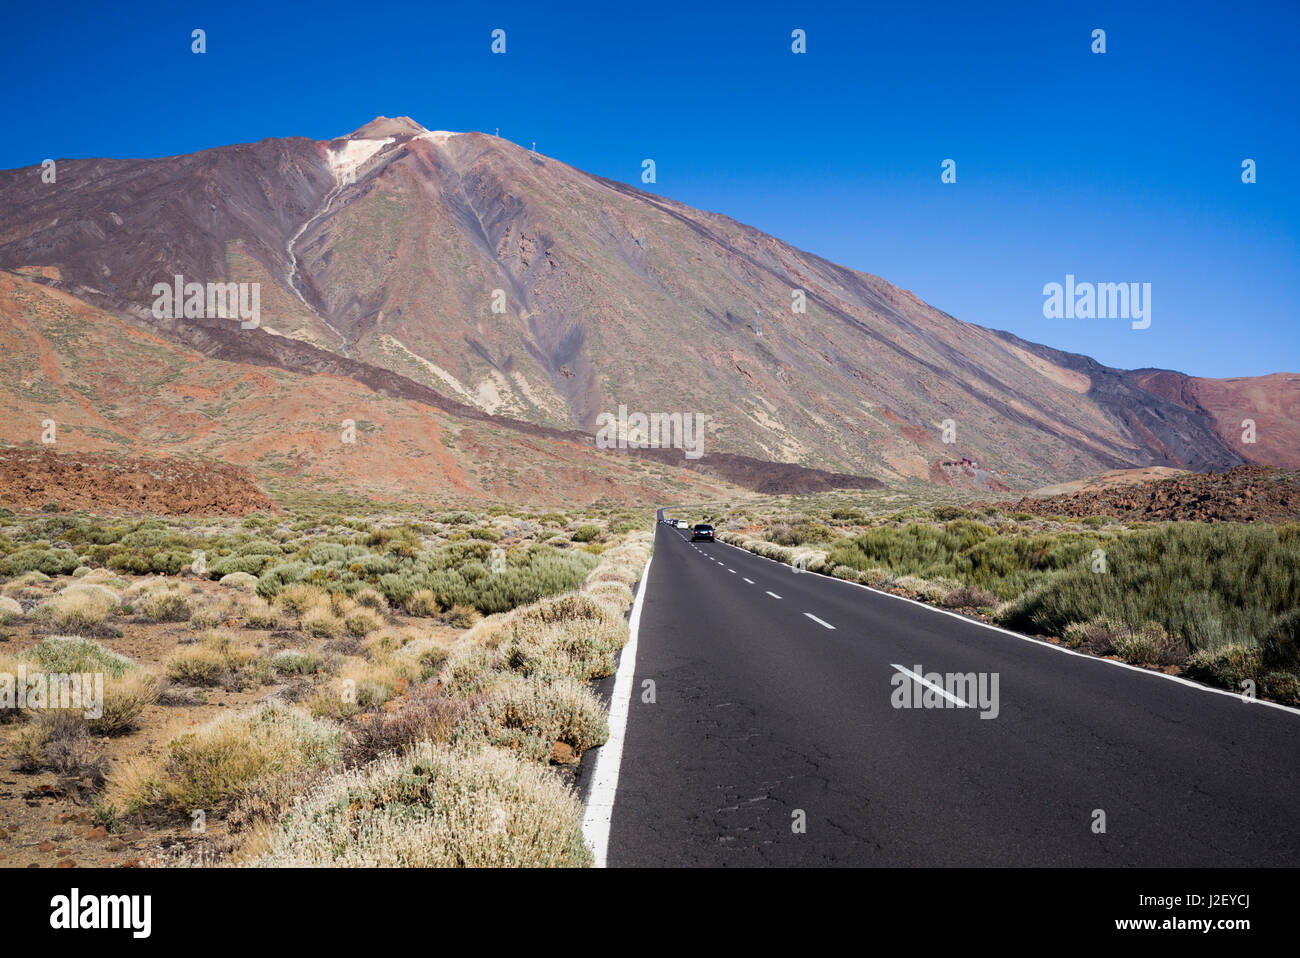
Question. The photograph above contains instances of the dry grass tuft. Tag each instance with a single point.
(217, 659)
(223, 762)
(433, 807)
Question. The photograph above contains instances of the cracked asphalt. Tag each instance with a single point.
(772, 740)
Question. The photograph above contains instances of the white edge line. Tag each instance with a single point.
(1038, 642)
(937, 688)
(609, 758)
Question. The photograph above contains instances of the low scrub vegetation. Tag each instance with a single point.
(1215, 600)
(57, 735)
(222, 762)
(354, 623)
(433, 807)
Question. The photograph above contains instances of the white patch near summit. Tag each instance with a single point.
(349, 157)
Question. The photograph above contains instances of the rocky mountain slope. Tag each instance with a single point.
(94, 383)
(489, 280)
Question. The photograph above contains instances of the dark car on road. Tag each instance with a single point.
(702, 531)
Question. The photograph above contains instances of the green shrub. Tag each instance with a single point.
(72, 653)
(279, 575)
(39, 559)
(248, 564)
(295, 662)
(1211, 585)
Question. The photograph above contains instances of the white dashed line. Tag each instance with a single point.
(822, 623)
(937, 688)
(1039, 643)
(774, 595)
(750, 581)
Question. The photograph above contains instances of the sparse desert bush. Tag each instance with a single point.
(208, 613)
(1281, 642)
(426, 657)
(224, 761)
(532, 717)
(381, 644)
(249, 565)
(362, 621)
(260, 614)
(948, 513)
(473, 664)
(614, 593)
(966, 551)
(298, 598)
(125, 699)
(433, 807)
(239, 580)
(1272, 664)
(171, 605)
(800, 533)
(59, 741)
(139, 589)
(321, 622)
(295, 662)
(426, 715)
(80, 606)
(217, 659)
(370, 599)
(341, 604)
(928, 591)
(105, 577)
(462, 616)
(127, 689)
(279, 575)
(1228, 666)
(25, 585)
(573, 635)
(374, 683)
(11, 611)
(72, 653)
(969, 597)
(585, 533)
(1145, 644)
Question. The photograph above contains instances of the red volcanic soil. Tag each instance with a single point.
(1244, 494)
(1272, 403)
(30, 478)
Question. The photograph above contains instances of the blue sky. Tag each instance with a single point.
(1118, 167)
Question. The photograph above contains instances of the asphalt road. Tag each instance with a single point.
(765, 719)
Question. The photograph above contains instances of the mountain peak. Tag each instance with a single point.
(382, 126)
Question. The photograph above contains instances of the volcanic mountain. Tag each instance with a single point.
(460, 271)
